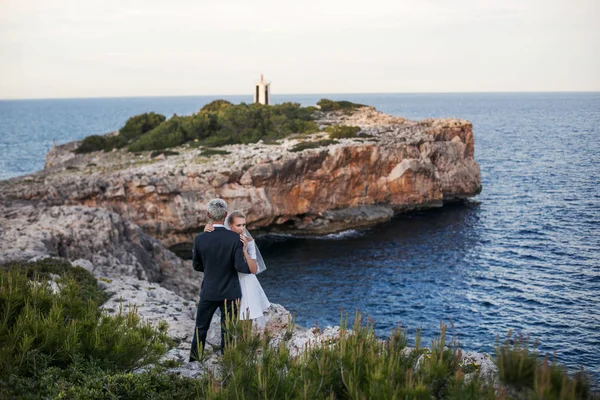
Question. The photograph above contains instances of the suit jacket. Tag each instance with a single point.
(219, 255)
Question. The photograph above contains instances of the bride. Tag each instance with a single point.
(254, 300)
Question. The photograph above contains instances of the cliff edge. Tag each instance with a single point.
(393, 165)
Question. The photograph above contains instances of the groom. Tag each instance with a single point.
(219, 255)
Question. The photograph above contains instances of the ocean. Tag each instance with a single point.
(523, 255)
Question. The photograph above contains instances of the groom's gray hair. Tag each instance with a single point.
(217, 209)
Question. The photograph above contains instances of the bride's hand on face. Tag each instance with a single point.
(245, 240)
(209, 227)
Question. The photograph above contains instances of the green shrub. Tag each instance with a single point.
(516, 362)
(138, 125)
(357, 365)
(521, 367)
(300, 126)
(312, 145)
(51, 318)
(216, 141)
(293, 111)
(342, 131)
(168, 134)
(134, 127)
(200, 126)
(331, 105)
(85, 380)
(92, 143)
(115, 142)
(216, 106)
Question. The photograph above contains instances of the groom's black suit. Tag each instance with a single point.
(219, 255)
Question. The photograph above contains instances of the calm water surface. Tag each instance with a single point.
(523, 255)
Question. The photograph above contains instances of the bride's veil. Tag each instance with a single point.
(259, 260)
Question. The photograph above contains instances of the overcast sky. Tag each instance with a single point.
(85, 48)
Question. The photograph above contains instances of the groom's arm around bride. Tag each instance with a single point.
(220, 256)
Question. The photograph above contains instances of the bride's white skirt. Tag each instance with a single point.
(254, 300)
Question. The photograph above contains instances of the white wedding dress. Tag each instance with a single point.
(254, 300)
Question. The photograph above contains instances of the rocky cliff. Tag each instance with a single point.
(394, 165)
(109, 212)
(109, 244)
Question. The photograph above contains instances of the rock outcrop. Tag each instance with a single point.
(393, 166)
(112, 245)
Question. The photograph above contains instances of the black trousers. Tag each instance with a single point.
(206, 310)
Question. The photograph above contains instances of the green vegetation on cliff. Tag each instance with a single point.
(357, 365)
(342, 131)
(51, 326)
(312, 145)
(347, 107)
(216, 124)
(134, 128)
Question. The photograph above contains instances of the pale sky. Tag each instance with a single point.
(89, 48)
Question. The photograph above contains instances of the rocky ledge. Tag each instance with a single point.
(394, 165)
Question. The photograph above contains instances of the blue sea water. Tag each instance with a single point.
(523, 255)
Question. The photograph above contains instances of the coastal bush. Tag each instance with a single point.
(312, 145)
(298, 126)
(218, 140)
(134, 127)
(294, 112)
(92, 143)
(51, 319)
(520, 366)
(137, 125)
(331, 105)
(87, 381)
(342, 131)
(115, 142)
(168, 134)
(249, 123)
(216, 106)
(357, 365)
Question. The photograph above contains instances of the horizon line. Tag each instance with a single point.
(295, 94)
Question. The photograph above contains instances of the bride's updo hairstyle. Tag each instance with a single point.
(233, 215)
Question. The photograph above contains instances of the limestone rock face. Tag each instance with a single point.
(110, 245)
(393, 166)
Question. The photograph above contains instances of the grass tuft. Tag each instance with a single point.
(312, 145)
(342, 131)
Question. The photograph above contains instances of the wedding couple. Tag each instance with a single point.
(229, 258)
